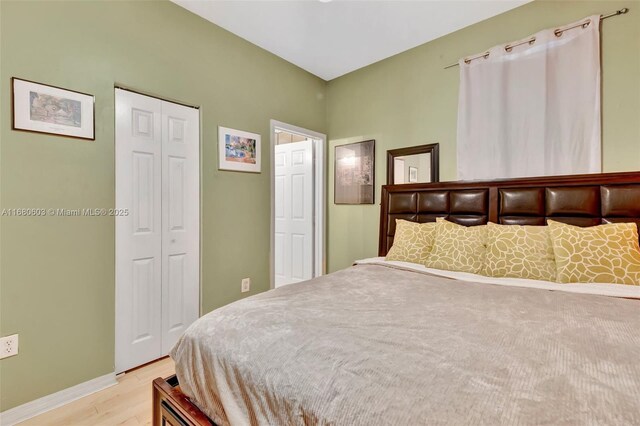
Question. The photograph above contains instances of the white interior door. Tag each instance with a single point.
(398, 171)
(138, 233)
(157, 241)
(293, 236)
(180, 221)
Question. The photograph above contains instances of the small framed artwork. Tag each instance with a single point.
(413, 174)
(52, 110)
(354, 180)
(238, 151)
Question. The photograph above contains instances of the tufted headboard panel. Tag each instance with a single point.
(583, 200)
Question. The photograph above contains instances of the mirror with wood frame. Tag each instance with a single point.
(415, 164)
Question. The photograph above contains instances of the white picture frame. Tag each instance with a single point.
(238, 150)
(413, 174)
(42, 108)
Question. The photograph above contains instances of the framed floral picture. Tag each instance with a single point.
(355, 173)
(52, 110)
(238, 150)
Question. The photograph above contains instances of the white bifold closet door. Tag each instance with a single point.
(157, 242)
(294, 197)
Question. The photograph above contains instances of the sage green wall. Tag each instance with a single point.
(410, 99)
(57, 274)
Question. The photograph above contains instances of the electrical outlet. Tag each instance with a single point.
(246, 285)
(8, 346)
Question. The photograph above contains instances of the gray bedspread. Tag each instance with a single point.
(374, 344)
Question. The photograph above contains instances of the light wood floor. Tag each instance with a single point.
(127, 403)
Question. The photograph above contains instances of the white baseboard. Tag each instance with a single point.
(55, 400)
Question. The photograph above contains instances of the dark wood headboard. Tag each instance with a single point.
(584, 200)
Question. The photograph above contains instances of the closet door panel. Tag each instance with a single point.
(157, 243)
(138, 233)
(180, 212)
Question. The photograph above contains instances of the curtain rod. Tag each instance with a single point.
(532, 40)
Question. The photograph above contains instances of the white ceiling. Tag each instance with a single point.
(332, 38)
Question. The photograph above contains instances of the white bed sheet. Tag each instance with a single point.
(614, 290)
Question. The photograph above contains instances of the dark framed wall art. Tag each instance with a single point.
(354, 178)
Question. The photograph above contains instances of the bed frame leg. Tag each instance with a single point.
(172, 408)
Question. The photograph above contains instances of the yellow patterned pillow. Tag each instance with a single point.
(599, 254)
(517, 251)
(458, 248)
(412, 241)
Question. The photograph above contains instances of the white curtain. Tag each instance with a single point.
(532, 111)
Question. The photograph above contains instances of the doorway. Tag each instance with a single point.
(157, 225)
(297, 204)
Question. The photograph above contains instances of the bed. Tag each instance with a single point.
(394, 343)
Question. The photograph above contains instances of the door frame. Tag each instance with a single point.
(319, 193)
(198, 108)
